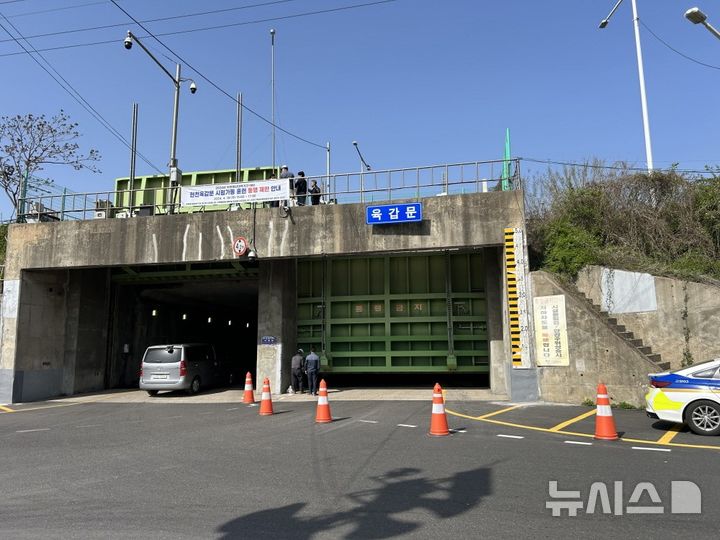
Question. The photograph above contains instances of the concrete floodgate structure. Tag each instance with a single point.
(437, 300)
(83, 299)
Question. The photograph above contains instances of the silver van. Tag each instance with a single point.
(183, 366)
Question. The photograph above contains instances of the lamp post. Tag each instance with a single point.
(272, 92)
(175, 172)
(641, 76)
(695, 16)
(363, 167)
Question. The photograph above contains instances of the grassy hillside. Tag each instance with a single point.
(664, 223)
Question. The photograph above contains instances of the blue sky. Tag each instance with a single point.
(415, 82)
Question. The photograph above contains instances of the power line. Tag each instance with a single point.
(29, 13)
(675, 50)
(61, 47)
(72, 91)
(217, 27)
(212, 83)
(173, 17)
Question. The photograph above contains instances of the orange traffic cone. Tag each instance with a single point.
(266, 402)
(323, 406)
(438, 419)
(604, 422)
(249, 395)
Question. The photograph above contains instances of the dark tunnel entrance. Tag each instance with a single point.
(193, 304)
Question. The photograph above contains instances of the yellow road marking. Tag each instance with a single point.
(587, 435)
(566, 423)
(59, 405)
(6, 409)
(484, 416)
(499, 422)
(670, 434)
(680, 445)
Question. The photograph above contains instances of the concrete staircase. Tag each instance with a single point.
(623, 332)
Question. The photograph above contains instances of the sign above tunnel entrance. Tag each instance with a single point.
(237, 192)
(393, 213)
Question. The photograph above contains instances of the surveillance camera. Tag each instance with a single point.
(252, 255)
(193, 87)
(128, 43)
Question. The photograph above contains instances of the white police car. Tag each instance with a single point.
(690, 395)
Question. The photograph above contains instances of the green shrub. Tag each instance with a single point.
(707, 204)
(569, 248)
(662, 223)
(693, 264)
(624, 405)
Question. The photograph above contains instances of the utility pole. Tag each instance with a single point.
(272, 91)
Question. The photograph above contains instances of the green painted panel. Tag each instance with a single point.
(152, 190)
(398, 275)
(397, 313)
(437, 274)
(359, 277)
(377, 278)
(340, 280)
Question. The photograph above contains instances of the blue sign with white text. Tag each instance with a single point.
(393, 213)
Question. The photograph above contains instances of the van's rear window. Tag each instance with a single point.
(163, 356)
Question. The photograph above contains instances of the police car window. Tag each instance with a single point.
(706, 373)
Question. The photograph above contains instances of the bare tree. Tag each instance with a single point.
(28, 143)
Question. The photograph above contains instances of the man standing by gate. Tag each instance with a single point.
(297, 365)
(312, 366)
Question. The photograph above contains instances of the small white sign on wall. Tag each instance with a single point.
(627, 292)
(551, 342)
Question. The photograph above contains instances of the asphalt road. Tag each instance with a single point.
(219, 470)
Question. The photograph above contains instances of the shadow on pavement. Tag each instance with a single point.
(662, 425)
(167, 394)
(390, 509)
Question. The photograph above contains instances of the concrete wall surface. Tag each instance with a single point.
(276, 320)
(684, 324)
(455, 221)
(596, 353)
(55, 334)
(40, 334)
(57, 289)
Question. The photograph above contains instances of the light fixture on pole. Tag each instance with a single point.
(363, 167)
(175, 172)
(695, 16)
(641, 76)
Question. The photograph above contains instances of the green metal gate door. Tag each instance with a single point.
(420, 313)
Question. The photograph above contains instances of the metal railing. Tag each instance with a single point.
(345, 188)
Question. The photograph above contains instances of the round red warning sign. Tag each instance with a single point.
(240, 246)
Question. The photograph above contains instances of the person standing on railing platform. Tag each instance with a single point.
(301, 188)
(314, 193)
(285, 173)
